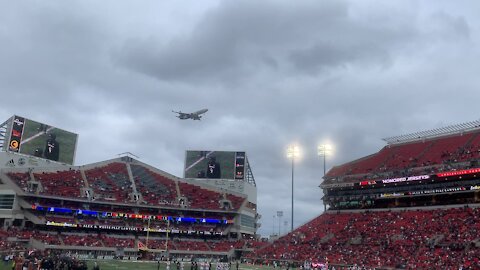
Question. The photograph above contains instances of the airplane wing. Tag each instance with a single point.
(182, 115)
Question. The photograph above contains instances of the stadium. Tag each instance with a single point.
(411, 205)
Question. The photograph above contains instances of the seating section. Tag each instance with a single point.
(112, 241)
(62, 183)
(190, 245)
(254, 244)
(21, 180)
(371, 163)
(100, 239)
(110, 182)
(200, 198)
(236, 201)
(418, 239)
(86, 240)
(19, 234)
(155, 188)
(58, 219)
(47, 238)
(397, 159)
(444, 149)
(404, 155)
(9, 246)
(469, 151)
(156, 244)
(222, 246)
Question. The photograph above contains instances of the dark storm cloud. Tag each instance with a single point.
(241, 38)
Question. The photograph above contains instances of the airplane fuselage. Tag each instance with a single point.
(200, 112)
(195, 115)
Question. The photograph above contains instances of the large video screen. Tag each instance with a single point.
(215, 165)
(37, 139)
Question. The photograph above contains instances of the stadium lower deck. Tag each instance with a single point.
(422, 238)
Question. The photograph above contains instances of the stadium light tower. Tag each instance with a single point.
(293, 152)
(325, 150)
(273, 225)
(279, 215)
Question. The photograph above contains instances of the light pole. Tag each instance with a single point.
(273, 225)
(293, 151)
(325, 150)
(279, 215)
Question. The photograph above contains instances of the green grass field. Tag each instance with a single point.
(126, 265)
(225, 159)
(67, 141)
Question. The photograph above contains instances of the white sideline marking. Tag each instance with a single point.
(36, 136)
(198, 161)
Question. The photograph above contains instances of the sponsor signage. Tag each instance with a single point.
(388, 195)
(430, 191)
(373, 182)
(403, 179)
(367, 183)
(81, 212)
(18, 124)
(440, 190)
(124, 228)
(337, 185)
(406, 179)
(458, 173)
(239, 165)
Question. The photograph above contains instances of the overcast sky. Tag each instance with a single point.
(270, 72)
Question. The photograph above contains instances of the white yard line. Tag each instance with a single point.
(198, 161)
(36, 136)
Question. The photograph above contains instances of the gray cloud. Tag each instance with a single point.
(241, 38)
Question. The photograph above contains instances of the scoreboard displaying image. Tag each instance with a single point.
(41, 140)
(215, 165)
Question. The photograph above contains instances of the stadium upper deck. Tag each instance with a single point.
(118, 182)
(435, 151)
(441, 168)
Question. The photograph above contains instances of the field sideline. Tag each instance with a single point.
(140, 265)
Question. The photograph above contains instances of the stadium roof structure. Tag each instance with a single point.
(249, 175)
(433, 133)
(3, 133)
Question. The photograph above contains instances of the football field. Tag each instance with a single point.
(140, 265)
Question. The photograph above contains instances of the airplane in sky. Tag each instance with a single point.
(195, 115)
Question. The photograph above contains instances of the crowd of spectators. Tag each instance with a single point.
(427, 239)
(420, 157)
